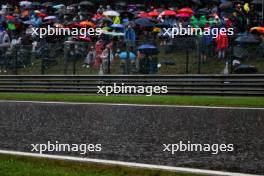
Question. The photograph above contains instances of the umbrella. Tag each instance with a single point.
(186, 11)
(163, 25)
(28, 22)
(248, 39)
(47, 4)
(58, 25)
(106, 28)
(226, 5)
(105, 20)
(97, 16)
(168, 13)
(50, 18)
(143, 15)
(10, 17)
(35, 4)
(86, 3)
(113, 33)
(183, 15)
(59, 6)
(126, 14)
(257, 30)
(148, 49)
(25, 3)
(197, 2)
(117, 26)
(111, 13)
(245, 69)
(145, 22)
(42, 15)
(74, 5)
(63, 11)
(121, 3)
(203, 11)
(123, 56)
(154, 13)
(87, 24)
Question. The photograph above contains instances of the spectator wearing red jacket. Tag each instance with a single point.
(221, 45)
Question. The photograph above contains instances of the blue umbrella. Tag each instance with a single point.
(123, 56)
(117, 26)
(145, 22)
(148, 49)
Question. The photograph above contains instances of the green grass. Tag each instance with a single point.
(23, 166)
(156, 100)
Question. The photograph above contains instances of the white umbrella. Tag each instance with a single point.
(111, 13)
(25, 3)
(50, 18)
(113, 33)
(59, 6)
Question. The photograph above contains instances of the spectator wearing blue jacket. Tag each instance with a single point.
(130, 36)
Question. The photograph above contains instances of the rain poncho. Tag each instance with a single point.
(202, 21)
(11, 26)
(194, 22)
(221, 42)
(117, 20)
(130, 35)
(246, 7)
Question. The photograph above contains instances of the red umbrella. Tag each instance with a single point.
(10, 17)
(154, 13)
(186, 10)
(183, 15)
(98, 16)
(42, 15)
(143, 15)
(168, 13)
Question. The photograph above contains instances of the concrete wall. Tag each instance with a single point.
(136, 133)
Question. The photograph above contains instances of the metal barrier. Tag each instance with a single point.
(178, 56)
(246, 85)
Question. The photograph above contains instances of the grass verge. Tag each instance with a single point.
(156, 100)
(24, 166)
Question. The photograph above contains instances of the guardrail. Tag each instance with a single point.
(245, 85)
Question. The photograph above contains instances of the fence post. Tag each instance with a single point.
(127, 59)
(199, 63)
(187, 61)
(42, 66)
(16, 51)
(109, 62)
(74, 66)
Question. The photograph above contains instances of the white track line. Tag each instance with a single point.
(127, 164)
(135, 105)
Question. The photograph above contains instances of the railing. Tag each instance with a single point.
(235, 85)
(178, 56)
